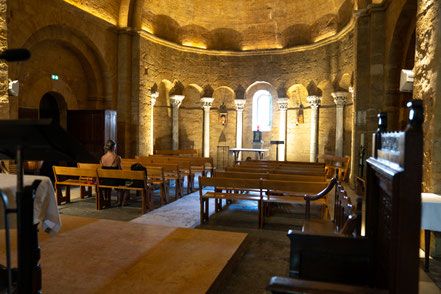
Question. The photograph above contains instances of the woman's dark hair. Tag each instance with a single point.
(110, 145)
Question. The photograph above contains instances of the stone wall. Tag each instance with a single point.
(428, 88)
(4, 100)
(319, 67)
(64, 40)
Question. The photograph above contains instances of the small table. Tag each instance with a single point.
(45, 204)
(430, 220)
(236, 152)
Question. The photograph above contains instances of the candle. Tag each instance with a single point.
(362, 139)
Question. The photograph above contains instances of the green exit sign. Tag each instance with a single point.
(54, 77)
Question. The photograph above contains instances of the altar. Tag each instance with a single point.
(236, 152)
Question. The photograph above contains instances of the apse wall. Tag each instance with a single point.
(319, 70)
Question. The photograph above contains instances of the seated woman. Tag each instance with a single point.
(111, 160)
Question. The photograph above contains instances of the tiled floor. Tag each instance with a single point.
(267, 250)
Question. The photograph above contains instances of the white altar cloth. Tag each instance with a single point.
(431, 212)
(45, 204)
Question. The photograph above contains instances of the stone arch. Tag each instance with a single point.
(96, 74)
(326, 88)
(31, 98)
(260, 85)
(226, 95)
(123, 17)
(249, 95)
(297, 94)
(61, 107)
(345, 81)
(193, 95)
(313, 89)
(134, 17)
(164, 93)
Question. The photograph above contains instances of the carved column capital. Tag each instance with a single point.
(153, 97)
(207, 102)
(176, 100)
(340, 98)
(239, 104)
(283, 103)
(314, 101)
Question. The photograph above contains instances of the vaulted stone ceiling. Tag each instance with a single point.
(229, 24)
(245, 24)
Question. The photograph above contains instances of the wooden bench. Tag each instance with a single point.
(156, 177)
(387, 258)
(339, 167)
(263, 191)
(72, 176)
(177, 152)
(83, 192)
(292, 171)
(270, 176)
(336, 165)
(171, 172)
(103, 197)
(288, 192)
(184, 164)
(279, 163)
(224, 189)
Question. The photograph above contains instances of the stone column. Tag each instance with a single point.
(175, 101)
(153, 96)
(239, 117)
(314, 102)
(283, 106)
(340, 101)
(206, 104)
(427, 87)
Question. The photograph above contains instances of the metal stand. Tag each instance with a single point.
(32, 140)
(277, 143)
(361, 153)
(223, 147)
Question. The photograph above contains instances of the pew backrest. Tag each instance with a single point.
(177, 152)
(393, 204)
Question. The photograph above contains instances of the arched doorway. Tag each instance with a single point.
(53, 106)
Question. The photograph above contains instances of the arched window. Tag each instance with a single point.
(262, 110)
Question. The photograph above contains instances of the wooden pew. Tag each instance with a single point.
(270, 176)
(327, 160)
(254, 189)
(171, 172)
(177, 152)
(277, 191)
(293, 171)
(155, 175)
(339, 167)
(387, 258)
(279, 163)
(103, 197)
(199, 164)
(184, 165)
(63, 177)
(83, 192)
(223, 190)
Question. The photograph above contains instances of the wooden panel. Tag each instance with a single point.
(27, 113)
(92, 128)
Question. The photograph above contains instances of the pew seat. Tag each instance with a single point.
(72, 176)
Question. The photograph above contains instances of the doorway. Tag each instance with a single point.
(53, 106)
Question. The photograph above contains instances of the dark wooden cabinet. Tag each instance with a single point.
(92, 128)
